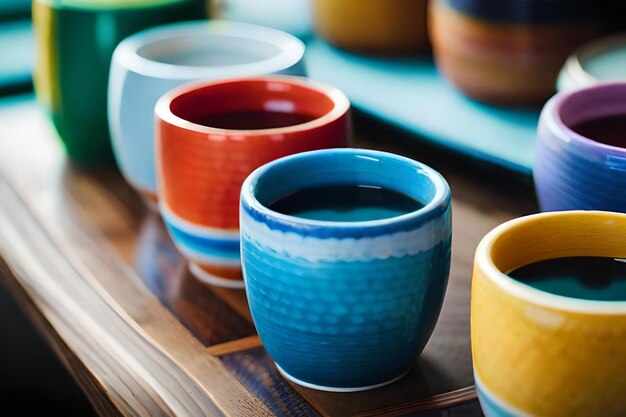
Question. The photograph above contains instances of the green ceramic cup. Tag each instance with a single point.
(75, 43)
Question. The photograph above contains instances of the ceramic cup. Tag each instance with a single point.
(540, 354)
(200, 168)
(291, 16)
(152, 62)
(373, 26)
(75, 42)
(509, 53)
(598, 61)
(345, 306)
(574, 172)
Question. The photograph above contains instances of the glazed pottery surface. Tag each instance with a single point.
(573, 172)
(345, 306)
(598, 61)
(292, 16)
(512, 61)
(373, 26)
(200, 169)
(532, 12)
(75, 42)
(150, 63)
(537, 353)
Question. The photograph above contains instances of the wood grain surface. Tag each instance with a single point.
(145, 362)
(100, 277)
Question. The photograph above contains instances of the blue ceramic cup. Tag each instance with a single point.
(345, 306)
(147, 65)
(574, 171)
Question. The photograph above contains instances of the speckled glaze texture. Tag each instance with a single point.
(508, 53)
(150, 63)
(200, 168)
(343, 306)
(540, 354)
(573, 172)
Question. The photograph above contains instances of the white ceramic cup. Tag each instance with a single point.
(601, 60)
(152, 62)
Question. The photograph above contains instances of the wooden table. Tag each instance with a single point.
(100, 278)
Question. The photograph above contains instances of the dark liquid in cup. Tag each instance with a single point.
(589, 278)
(609, 130)
(346, 203)
(253, 120)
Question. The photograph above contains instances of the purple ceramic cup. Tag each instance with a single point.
(574, 172)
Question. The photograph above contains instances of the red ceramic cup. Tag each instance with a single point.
(210, 136)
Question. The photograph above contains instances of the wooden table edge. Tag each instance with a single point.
(202, 384)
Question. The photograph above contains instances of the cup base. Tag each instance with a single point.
(211, 279)
(337, 389)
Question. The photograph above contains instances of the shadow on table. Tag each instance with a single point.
(33, 382)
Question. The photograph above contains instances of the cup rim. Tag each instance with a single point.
(127, 52)
(341, 105)
(441, 199)
(575, 68)
(484, 261)
(558, 126)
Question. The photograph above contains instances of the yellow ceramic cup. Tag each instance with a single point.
(537, 353)
(373, 26)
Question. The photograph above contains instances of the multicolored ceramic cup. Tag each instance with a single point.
(573, 172)
(509, 52)
(540, 354)
(150, 63)
(75, 42)
(200, 167)
(373, 26)
(601, 60)
(345, 306)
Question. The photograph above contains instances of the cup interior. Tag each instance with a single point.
(558, 235)
(252, 96)
(208, 50)
(593, 103)
(349, 167)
